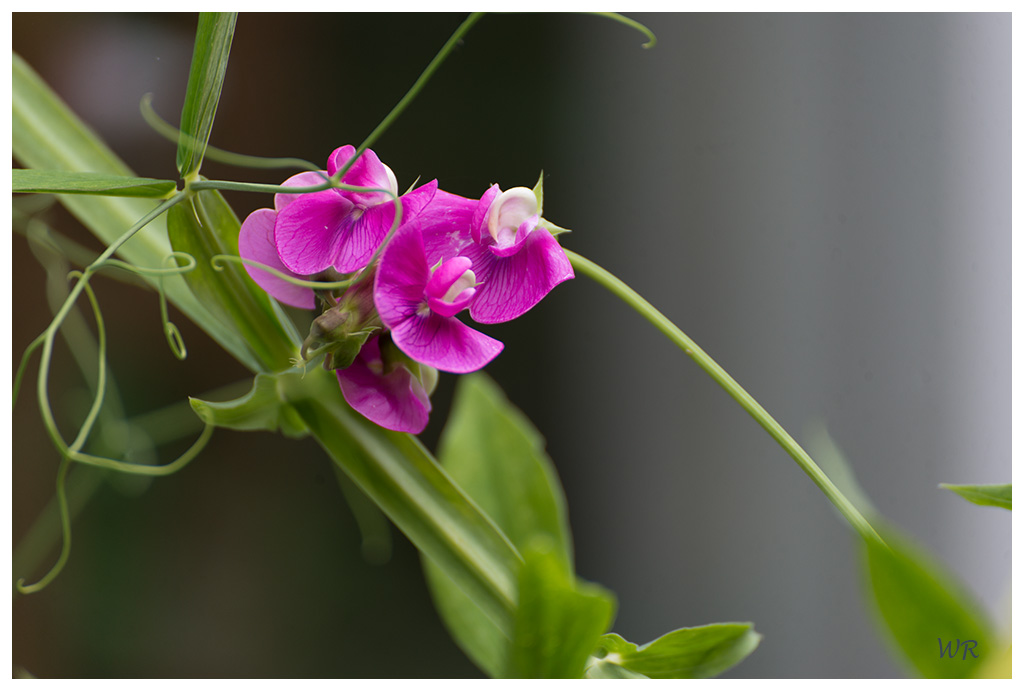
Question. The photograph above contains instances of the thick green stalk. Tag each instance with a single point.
(731, 386)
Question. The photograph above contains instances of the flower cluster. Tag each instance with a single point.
(394, 323)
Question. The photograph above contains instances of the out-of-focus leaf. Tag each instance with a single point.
(46, 134)
(204, 226)
(984, 495)
(559, 619)
(209, 63)
(66, 182)
(692, 653)
(404, 480)
(261, 409)
(497, 457)
(940, 629)
(603, 669)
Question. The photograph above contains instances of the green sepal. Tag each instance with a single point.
(559, 619)
(66, 182)
(344, 352)
(263, 408)
(699, 652)
(919, 603)
(984, 495)
(206, 77)
(538, 192)
(552, 228)
(204, 226)
(520, 492)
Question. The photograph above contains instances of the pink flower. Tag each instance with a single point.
(419, 303)
(256, 242)
(384, 390)
(342, 229)
(515, 260)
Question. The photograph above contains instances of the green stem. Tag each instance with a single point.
(414, 91)
(780, 435)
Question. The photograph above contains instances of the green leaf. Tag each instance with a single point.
(209, 63)
(404, 480)
(263, 408)
(699, 652)
(46, 134)
(54, 181)
(205, 226)
(497, 457)
(924, 608)
(559, 619)
(603, 669)
(984, 495)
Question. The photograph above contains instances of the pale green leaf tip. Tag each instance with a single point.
(202, 409)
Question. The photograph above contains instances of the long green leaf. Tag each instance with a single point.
(46, 134)
(53, 181)
(692, 653)
(205, 79)
(205, 226)
(402, 478)
(521, 493)
(940, 629)
(559, 619)
(984, 495)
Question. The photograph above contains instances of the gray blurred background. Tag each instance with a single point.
(821, 201)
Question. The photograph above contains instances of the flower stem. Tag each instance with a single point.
(414, 91)
(732, 387)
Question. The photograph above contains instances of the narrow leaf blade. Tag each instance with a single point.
(497, 457)
(205, 79)
(984, 495)
(923, 608)
(57, 181)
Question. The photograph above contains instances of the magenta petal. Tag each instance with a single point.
(401, 277)
(363, 237)
(445, 343)
(310, 231)
(450, 309)
(307, 179)
(369, 230)
(510, 286)
(396, 400)
(445, 223)
(522, 233)
(338, 158)
(256, 242)
(367, 171)
(414, 203)
(446, 275)
(478, 224)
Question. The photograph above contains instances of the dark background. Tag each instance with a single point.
(821, 201)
